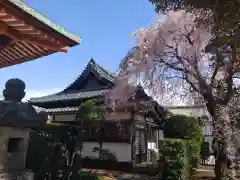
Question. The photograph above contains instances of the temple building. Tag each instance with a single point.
(132, 131)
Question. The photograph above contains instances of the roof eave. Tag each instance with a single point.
(44, 23)
(62, 100)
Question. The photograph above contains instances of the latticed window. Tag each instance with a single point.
(137, 142)
(143, 142)
(140, 142)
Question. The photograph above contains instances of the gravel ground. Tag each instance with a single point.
(117, 175)
(203, 173)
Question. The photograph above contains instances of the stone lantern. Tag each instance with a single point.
(16, 120)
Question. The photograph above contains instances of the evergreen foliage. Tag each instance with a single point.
(189, 129)
(173, 160)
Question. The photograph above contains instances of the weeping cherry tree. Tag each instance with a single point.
(176, 56)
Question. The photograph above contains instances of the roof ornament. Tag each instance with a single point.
(92, 60)
(14, 90)
(14, 112)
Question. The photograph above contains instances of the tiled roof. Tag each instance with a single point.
(39, 109)
(70, 96)
(92, 67)
(65, 109)
(95, 68)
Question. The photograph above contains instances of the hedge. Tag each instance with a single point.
(88, 176)
(47, 150)
(173, 163)
(182, 127)
(189, 129)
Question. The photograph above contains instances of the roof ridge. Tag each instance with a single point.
(83, 90)
(70, 96)
(62, 93)
(93, 89)
(95, 64)
(34, 98)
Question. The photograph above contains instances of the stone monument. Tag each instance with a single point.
(16, 120)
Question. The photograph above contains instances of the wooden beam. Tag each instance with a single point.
(47, 45)
(17, 36)
(21, 37)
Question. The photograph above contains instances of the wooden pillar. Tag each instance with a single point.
(132, 138)
(157, 138)
(146, 138)
(53, 118)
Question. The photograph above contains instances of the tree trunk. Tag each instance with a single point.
(223, 145)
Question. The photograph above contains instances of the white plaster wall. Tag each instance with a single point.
(189, 111)
(65, 117)
(122, 150)
(88, 149)
(118, 115)
(160, 134)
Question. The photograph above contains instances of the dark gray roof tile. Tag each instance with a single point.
(95, 68)
(70, 96)
(82, 93)
(65, 109)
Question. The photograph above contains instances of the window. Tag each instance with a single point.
(14, 145)
(207, 130)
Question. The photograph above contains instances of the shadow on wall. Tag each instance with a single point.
(105, 154)
(107, 160)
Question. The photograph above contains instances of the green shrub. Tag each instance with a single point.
(182, 127)
(193, 155)
(50, 151)
(105, 154)
(89, 176)
(173, 161)
(188, 128)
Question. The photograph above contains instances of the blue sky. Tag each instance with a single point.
(104, 26)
